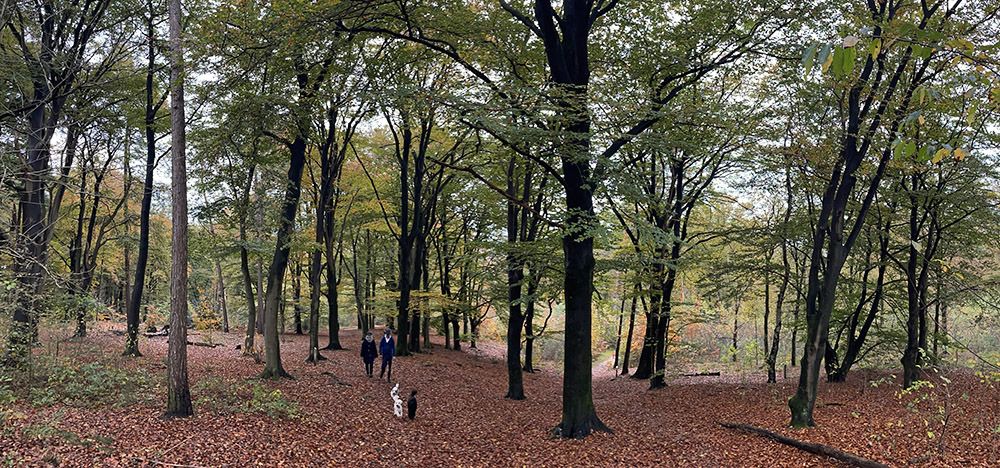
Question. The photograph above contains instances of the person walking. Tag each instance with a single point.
(369, 353)
(387, 348)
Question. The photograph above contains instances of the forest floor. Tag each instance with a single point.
(332, 414)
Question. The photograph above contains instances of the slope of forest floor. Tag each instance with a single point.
(331, 414)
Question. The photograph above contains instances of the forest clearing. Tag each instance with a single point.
(514, 232)
(331, 414)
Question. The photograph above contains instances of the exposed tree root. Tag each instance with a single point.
(581, 429)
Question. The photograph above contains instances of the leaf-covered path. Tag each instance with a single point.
(345, 419)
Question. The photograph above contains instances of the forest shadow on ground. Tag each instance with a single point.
(101, 409)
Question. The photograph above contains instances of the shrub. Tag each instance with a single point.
(223, 397)
(65, 381)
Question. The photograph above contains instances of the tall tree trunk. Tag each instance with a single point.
(830, 229)
(628, 339)
(529, 331)
(329, 200)
(332, 299)
(618, 335)
(178, 392)
(135, 303)
(515, 280)
(767, 306)
(786, 272)
(248, 294)
(662, 328)
(425, 321)
(644, 367)
(359, 291)
(917, 283)
(855, 343)
(297, 298)
(248, 291)
(736, 330)
(315, 272)
(76, 266)
(795, 314)
(405, 243)
(221, 296)
(279, 263)
(414, 339)
(259, 323)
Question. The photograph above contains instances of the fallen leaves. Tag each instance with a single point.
(345, 418)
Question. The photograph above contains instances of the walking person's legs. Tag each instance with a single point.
(382, 372)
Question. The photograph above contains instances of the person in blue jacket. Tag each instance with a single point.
(369, 353)
(387, 348)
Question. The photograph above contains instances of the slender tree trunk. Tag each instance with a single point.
(135, 303)
(222, 296)
(658, 379)
(830, 230)
(786, 272)
(529, 332)
(248, 291)
(795, 320)
(332, 250)
(315, 272)
(911, 355)
(515, 280)
(76, 266)
(178, 392)
(414, 339)
(456, 341)
(333, 303)
(279, 263)
(644, 367)
(944, 327)
(297, 297)
(855, 344)
(736, 329)
(126, 273)
(621, 320)
(425, 320)
(628, 339)
(259, 324)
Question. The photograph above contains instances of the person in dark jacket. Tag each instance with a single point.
(387, 348)
(369, 353)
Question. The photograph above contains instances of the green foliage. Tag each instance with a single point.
(52, 380)
(224, 397)
(7, 400)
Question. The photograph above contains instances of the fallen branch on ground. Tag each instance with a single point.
(174, 465)
(818, 449)
(336, 380)
(207, 345)
(703, 374)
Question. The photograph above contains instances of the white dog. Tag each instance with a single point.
(397, 404)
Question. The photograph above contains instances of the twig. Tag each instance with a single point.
(179, 465)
